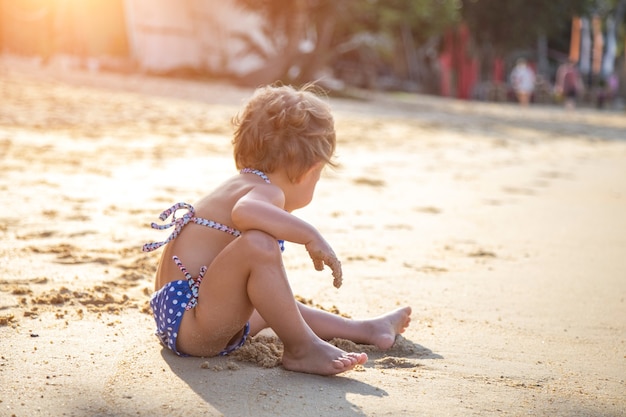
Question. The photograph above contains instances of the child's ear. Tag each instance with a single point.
(311, 171)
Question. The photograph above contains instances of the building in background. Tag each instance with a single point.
(156, 36)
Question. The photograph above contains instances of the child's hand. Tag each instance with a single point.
(322, 254)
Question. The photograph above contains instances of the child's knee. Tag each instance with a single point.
(260, 245)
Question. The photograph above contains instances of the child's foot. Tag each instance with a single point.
(322, 358)
(385, 328)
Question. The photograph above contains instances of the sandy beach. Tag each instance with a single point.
(504, 228)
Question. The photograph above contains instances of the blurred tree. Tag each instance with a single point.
(424, 18)
(308, 35)
(516, 24)
(298, 31)
(283, 30)
(399, 36)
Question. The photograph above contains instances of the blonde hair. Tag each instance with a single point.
(285, 127)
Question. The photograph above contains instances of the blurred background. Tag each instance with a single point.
(455, 48)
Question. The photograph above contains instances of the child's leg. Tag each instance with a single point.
(249, 274)
(380, 331)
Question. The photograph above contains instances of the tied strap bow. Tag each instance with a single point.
(177, 223)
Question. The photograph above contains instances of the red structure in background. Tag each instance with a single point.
(459, 71)
(499, 74)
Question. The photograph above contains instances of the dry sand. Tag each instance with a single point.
(504, 228)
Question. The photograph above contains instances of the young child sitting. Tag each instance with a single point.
(221, 278)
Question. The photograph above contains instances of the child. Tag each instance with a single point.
(221, 276)
(569, 83)
(523, 82)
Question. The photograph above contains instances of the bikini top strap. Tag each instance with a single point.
(177, 223)
(256, 172)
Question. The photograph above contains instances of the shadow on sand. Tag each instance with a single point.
(237, 388)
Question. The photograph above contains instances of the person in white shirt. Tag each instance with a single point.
(523, 81)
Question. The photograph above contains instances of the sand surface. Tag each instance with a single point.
(503, 228)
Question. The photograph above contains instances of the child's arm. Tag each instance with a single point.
(262, 209)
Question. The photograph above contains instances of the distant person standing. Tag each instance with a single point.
(523, 81)
(612, 85)
(569, 83)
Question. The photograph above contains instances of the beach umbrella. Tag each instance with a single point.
(585, 46)
(598, 45)
(608, 65)
(574, 47)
